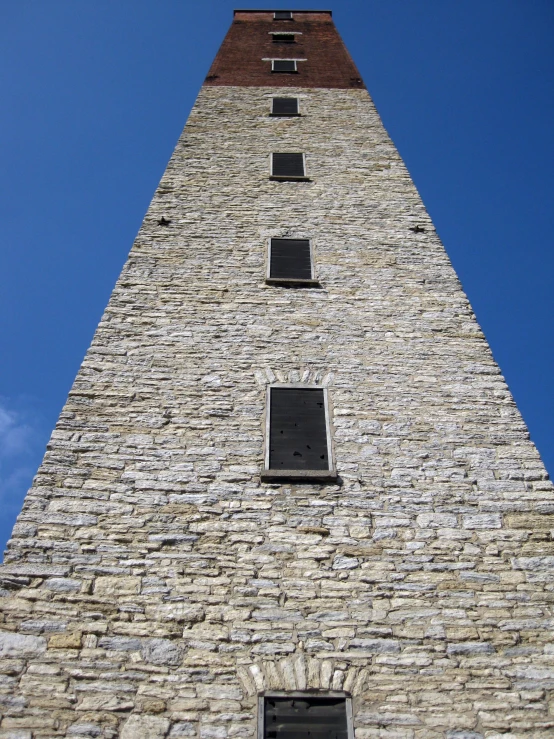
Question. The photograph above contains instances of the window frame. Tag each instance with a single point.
(286, 177)
(290, 40)
(273, 475)
(280, 71)
(295, 281)
(260, 733)
(290, 18)
(285, 115)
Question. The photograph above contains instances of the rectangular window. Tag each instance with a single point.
(290, 261)
(298, 437)
(284, 106)
(288, 166)
(305, 716)
(284, 65)
(283, 38)
(282, 15)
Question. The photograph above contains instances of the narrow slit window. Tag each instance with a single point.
(282, 15)
(290, 259)
(283, 38)
(284, 65)
(288, 166)
(285, 106)
(298, 435)
(305, 717)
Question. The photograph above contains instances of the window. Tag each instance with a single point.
(288, 166)
(282, 15)
(305, 716)
(284, 106)
(290, 262)
(284, 65)
(283, 38)
(298, 437)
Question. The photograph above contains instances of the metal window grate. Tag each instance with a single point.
(290, 259)
(288, 165)
(297, 429)
(282, 15)
(284, 65)
(305, 718)
(284, 106)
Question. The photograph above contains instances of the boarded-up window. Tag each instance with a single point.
(283, 65)
(290, 259)
(283, 38)
(282, 15)
(298, 437)
(287, 165)
(305, 718)
(284, 106)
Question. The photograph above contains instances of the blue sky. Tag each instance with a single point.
(95, 94)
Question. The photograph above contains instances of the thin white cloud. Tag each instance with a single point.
(16, 435)
(22, 439)
(21, 444)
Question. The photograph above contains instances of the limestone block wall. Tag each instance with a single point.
(153, 585)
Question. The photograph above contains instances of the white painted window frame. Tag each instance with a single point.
(302, 178)
(304, 694)
(292, 34)
(283, 19)
(330, 472)
(285, 60)
(312, 282)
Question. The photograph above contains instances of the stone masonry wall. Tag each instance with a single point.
(154, 585)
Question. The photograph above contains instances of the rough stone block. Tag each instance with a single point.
(145, 727)
(65, 641)
(20, 645)
(114, 586)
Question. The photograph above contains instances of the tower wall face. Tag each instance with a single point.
(154, 586)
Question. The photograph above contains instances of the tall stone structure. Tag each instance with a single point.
(372, 555)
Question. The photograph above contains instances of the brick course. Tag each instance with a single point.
(249, 41)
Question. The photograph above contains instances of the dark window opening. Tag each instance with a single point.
(290, 259)
(285, 106)
(283, 38)
(284, 65)
(298, 429)
(288, 165)
(282, 15)
(305, 718)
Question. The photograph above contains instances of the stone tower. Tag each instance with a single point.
(290, 490)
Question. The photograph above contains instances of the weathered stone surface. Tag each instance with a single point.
(145, 727)
(180, 612)
(20, 645)
(161, 652)
(63, 585)
(65, 641)
(171, 584)
(115, 586)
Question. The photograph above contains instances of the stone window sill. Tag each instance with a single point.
(269, 475)
(291, 282)
(287, 178)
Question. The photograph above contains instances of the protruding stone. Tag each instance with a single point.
(70, 640)
(20, 645)
(144, 727)
(161, 652)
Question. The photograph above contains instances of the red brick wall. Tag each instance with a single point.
(248, 41)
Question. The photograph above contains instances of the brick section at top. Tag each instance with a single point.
(240, 60)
